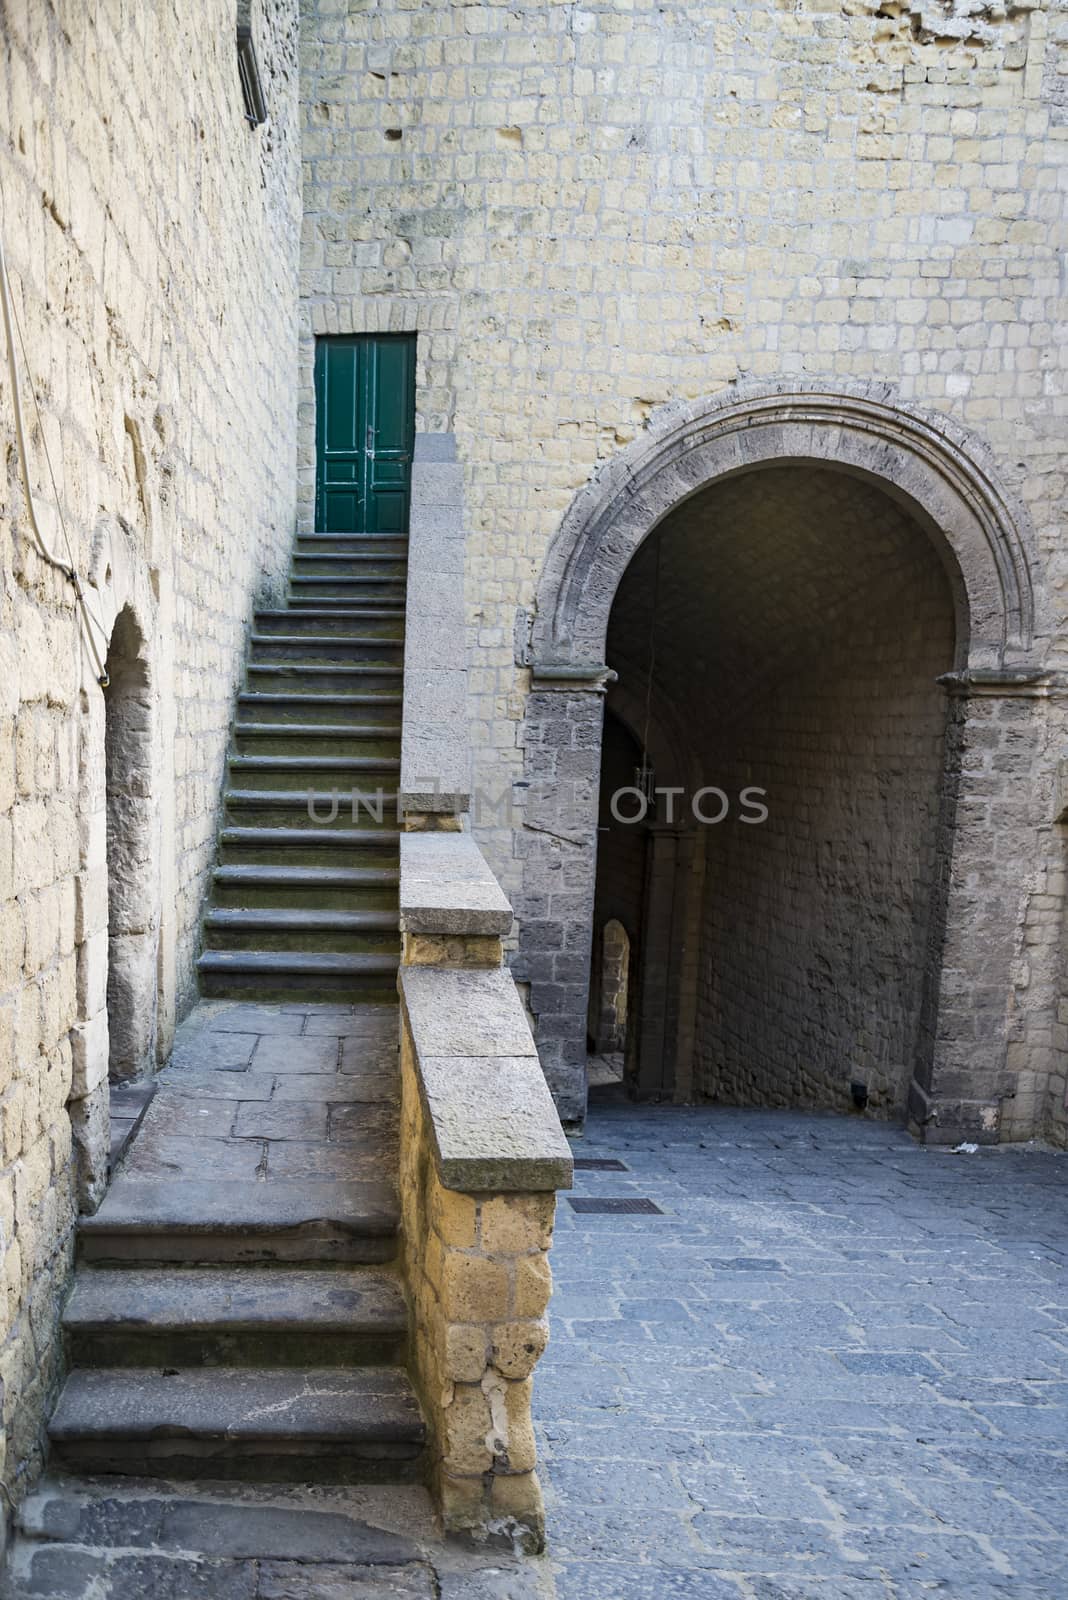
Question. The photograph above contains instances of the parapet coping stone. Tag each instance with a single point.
(492, 1120)
(447, 887)
(435, 762)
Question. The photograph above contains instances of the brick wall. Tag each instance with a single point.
(152, 239)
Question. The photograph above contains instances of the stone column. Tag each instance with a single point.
(973, 1006)
(562, 774)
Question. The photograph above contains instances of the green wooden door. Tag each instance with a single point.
(365, 428)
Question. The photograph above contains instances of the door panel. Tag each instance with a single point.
(365, 429)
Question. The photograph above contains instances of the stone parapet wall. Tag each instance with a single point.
(479, 1278)
(482, 1154)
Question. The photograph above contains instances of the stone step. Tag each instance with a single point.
(331, 710)
(346, 880)
(231, 1316)
(286, 808)
(326, 649)
(185, 1220)
(347, 601)
(316, 739)
(86, 1514)
(376, 622)
(349, 564)
(324, 1424)
(277, 974)
(335, 590)
(307, 678)
(351, 541)
(309, 846)
(318, 772)
(366, 932)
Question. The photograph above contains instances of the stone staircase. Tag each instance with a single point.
(237, 1310)
(304, 901)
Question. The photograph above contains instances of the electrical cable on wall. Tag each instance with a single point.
(11, 327)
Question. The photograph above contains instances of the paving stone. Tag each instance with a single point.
(370, 1057)
(296, 1055)
(217, 1085)
(362, 1121)
(489, 1583)
(255, 1019)
(342, 1163)
(273, 1121)
(165, 1156)
(286, 1580)
(610, 1581)
(339, 1088)
(820, 1420)
(188, 1115)
(361, 1022)
(204, 1051)
(876, 1365)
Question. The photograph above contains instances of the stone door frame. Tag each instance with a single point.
(946, 479)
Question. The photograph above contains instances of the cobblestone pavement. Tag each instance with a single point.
(835, 1368)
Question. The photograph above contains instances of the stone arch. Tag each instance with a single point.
(939, 470)
(944, 479)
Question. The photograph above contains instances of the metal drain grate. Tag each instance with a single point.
(628, 1207)
(599, 1164)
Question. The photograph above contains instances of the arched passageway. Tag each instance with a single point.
(794, 621)
(852, 627)
(132, 856)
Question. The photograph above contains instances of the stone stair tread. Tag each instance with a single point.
(316, 763)
(341, 556)
(297, 799)
(160, 1300)
(320, 1405)
(362, 612)
(300, 917)
(347, 838)
(229, 1207)
(335, 877)
(158, 1516)
(330, 534)
(317, 730)
(297, 961)
(334, 640)
(274, 697)
(317, 668)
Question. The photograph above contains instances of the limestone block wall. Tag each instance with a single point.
(589, 210)
(152, 240)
